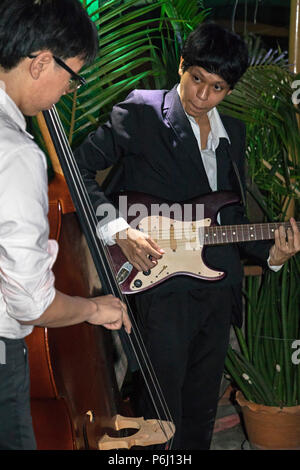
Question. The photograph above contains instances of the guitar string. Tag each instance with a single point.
(212, 235)
(211, 230)
(92, 213)
(56, 123)
(167, 242)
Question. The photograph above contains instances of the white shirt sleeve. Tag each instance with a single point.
(274, 268)
(26, 254)
(108, 231)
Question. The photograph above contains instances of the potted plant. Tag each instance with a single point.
(266, 368)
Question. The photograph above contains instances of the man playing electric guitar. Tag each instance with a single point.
(183, 231)
(174, 145)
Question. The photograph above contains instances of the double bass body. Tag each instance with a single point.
(74, 393)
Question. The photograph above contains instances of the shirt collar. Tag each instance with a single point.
(218, 130)
(10, 108)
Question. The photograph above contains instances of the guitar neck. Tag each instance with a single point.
(222, 234)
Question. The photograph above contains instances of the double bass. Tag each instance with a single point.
(76, 402)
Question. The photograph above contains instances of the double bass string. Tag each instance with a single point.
(71, 164)
(82, 199)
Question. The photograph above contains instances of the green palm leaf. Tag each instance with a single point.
(125, 59)
(139, 47)
(263, 100)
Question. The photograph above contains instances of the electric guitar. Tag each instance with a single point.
(183, 230)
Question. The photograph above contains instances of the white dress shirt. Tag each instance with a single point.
(26, 254)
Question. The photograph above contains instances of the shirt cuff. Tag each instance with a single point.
(274, 268)
(108, 231)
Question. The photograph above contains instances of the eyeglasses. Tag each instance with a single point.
(75, 82)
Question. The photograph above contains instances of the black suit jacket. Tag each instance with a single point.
(150, 141)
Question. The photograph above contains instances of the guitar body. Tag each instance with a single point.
(178, 229)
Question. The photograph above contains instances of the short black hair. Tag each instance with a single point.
(61, 26)
(217, 50)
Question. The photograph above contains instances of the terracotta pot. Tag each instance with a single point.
(271, 427)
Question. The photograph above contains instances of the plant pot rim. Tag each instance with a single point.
(267, 408)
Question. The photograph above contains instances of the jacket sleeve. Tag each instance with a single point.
(105, 147)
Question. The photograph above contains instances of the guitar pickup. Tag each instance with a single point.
(124, 272)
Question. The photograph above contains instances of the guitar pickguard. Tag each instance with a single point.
(183, 245)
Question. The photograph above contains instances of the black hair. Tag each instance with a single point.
(217, 50)
(61, 26)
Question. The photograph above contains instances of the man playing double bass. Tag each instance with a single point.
(41, 52)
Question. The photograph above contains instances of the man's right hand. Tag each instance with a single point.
(140, 249)
(110, 312)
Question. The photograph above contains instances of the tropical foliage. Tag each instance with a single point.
(263, 367)
(263, 100)
(137, 42)
(124, 59)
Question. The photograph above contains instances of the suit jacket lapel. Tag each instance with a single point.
(187, 145)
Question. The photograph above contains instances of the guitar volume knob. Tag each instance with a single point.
(138, 283)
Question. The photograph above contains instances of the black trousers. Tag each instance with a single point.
(16, 431)
(186, 335)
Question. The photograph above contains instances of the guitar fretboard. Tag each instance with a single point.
(217, 235)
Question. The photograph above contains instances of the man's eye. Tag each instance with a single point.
(197, 79)
(218, 88)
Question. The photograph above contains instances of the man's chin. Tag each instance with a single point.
(48, 107)
(34, 112)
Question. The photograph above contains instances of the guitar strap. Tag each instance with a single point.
(237, 174)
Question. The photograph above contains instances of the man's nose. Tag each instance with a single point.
(202, 92)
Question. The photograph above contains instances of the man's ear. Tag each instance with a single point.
(180, 70)
(229, 92)
(40, 64)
